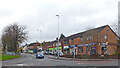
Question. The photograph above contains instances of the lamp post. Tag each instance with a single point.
(41, 36)
(107, 42)
(58, 38)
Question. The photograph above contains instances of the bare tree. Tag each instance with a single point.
(13, 35)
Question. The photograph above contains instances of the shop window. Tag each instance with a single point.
(80, 49)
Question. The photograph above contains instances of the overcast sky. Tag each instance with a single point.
(75, 16)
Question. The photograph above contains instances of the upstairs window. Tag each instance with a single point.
(72, 41)
(90, 37)
(65, 42)
(81, 38)
(87, 37)
(53, 44)
(105, 37)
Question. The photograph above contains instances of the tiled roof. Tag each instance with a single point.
(95, 30)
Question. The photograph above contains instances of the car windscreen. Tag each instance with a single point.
(39, 52)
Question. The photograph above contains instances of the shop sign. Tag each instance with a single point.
(86, 44)
(59, 48)
(46, 49)
(105, 43)
(94, 47)
(50, 48)
(72, 46)
(94, 43)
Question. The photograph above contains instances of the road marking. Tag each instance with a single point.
(80, 63)
(21, 65)
(50, 59)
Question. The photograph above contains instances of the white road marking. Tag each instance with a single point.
(80, 63)
(50, 59)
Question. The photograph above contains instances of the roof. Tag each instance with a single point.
(50, 43)
(32, 44)
(82, 33)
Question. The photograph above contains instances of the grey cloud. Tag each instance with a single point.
(45, 18)
(4, 12)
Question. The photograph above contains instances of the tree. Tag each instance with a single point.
(62, 36)
(13, 35)
(116, 29)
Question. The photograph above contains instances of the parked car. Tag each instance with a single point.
(51, 53)
(39, 55)
(46, 53)
(60, 54)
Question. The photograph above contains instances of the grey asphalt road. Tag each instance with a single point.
(30, 60)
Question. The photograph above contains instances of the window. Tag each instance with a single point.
(59, 44)
(105, 37)
(80, 49)
(87, 37)
(90, 37)
(65, 42)
(72, 40)
(54, 44)
(81, 38)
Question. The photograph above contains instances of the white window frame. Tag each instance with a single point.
(105, 37)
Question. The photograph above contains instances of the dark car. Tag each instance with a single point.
(40, 55)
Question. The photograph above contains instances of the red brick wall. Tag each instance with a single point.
(118, 49)
(111, 38)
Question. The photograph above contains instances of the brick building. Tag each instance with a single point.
(101, 40)
(33, 46)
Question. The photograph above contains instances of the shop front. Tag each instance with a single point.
(54, 50)
(92, 48)
(73, 49)
(66, 50)
(104, 48)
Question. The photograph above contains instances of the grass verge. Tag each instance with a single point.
(8, 57)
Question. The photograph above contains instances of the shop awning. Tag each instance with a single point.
(50, 48)
(65, 48)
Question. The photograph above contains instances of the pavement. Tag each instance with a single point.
(30, 60)
(75, 59)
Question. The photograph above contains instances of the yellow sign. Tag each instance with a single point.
(106, 42)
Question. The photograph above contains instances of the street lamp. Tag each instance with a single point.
(58, 38)
(41, 36)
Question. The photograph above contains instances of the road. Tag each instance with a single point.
(30, 60)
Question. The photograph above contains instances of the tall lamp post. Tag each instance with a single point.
(107, 42)
(58, 38)
(41, 36)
